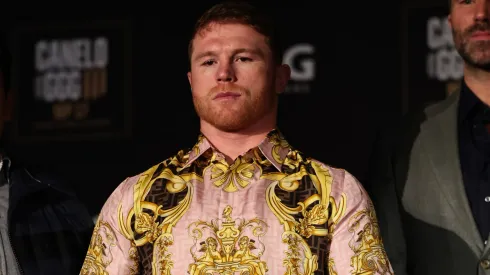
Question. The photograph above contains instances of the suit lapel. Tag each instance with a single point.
(486, 251)
(440, 139)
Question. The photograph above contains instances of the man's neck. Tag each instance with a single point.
(233, 144)
(479, 83)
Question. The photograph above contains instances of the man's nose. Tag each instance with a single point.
(225, 73)
(481, 10)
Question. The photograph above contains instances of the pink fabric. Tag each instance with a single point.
(209, 202)
(353, 245)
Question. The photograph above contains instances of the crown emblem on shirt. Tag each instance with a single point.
(228, 246)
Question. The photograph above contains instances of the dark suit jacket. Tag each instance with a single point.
(416, 185)
(49, 228)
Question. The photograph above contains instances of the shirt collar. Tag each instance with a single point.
(274, 147)
(469, 103)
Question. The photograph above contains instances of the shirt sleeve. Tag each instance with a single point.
(111, 252)
(356, 246)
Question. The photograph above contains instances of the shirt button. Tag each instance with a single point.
(485, 264)
(487, 199)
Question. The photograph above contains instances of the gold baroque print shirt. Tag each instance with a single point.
(272, 211)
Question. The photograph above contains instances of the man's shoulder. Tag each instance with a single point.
(406, 130)
(137, 186)
(429, 111)
(442, 105)
(54, 191)
(145, 177)
(339, 175)
(30, 176)
(333, 170)
(341, 182)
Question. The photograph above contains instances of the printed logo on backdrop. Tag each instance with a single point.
(303, 68)
(444, 63)
(431, 65)
(72, 82)
(70, 74)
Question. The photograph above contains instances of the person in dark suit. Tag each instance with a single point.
(430, 178)
(44, 228)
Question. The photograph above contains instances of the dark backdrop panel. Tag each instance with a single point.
(346, 87)
(431, 67)
(73, 80)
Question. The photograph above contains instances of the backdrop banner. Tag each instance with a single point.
(431, 66)
(72, 81)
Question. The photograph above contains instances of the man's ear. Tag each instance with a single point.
(189, 77)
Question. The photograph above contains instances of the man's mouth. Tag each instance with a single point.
(227, 95)
(480, 35)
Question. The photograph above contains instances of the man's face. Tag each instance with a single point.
(233, 77)
(471, 31)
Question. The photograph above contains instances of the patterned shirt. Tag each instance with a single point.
(272, 211)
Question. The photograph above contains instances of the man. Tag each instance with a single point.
(431, 185)
(44, 229)
(242, 200)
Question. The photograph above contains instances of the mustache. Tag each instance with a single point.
(483, 27)
(228, 88)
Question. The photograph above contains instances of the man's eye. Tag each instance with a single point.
(208, 63)
(243, 59)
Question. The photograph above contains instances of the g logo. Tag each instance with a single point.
(306, 70)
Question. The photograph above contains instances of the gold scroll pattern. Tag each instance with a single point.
(240, 173)
(317, 215)
(147, 228)
(370, 256)
(279, 143)
(99, 254)
(299, 259)
(227, 249)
